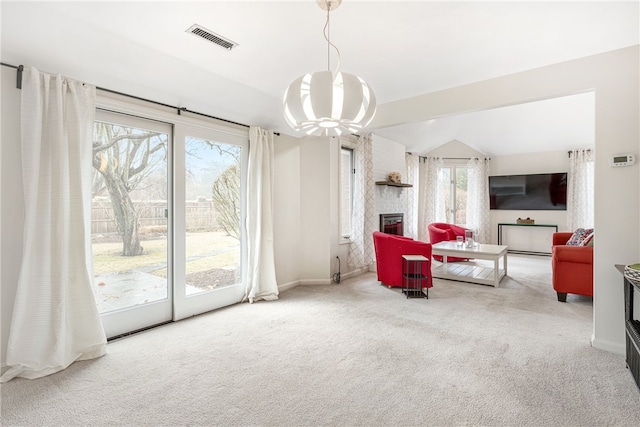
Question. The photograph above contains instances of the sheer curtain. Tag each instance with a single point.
(478, 213)
(431, 195)
(364, 224)
(413, 174)
(261, 277)
(580, 189)
(55, 319)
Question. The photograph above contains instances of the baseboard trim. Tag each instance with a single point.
(354, 273)
(287, 286)
(315, 282)
(304, 282)
(610, 346)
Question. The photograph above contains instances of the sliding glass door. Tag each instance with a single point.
(209, 246)
(167, 220)
(130, 221)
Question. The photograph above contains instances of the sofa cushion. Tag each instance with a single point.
(580, 237)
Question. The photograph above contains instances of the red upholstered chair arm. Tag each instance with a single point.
(457, 231)
(438, 234)
(575, 254)
(561, 238)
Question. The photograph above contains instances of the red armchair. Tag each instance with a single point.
(572, 267)
(440, 232)
(389, 250)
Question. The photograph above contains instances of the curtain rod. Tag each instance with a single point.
(180, 110)
(588, 150)
(19, 68)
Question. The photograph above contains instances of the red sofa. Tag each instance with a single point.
(389, 250)
(440, 232)
(572, 267)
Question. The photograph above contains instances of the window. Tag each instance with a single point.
(453, 185)
(346, 191)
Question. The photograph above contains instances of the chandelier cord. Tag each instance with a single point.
(326, 33)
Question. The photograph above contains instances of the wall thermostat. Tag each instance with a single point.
(622, 160)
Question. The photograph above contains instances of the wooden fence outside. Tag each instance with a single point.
(200, 216)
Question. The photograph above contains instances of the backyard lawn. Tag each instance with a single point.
(206, 251)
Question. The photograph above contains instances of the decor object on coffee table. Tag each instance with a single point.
(572, 266)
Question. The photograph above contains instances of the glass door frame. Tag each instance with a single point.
(137, 317)
(190, 305)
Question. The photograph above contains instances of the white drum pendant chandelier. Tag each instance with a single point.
(329, 103)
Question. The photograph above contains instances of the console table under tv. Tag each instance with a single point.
(511, 245)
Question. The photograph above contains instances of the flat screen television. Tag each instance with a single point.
(537, 192)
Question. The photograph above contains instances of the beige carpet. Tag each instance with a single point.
(356, 353)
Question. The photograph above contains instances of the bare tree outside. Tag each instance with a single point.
(125, 158)
(213, 180)
(222, 179)
(226, 198)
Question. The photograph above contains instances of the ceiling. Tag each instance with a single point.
(401, 48)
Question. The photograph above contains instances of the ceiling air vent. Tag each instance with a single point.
(214, 38)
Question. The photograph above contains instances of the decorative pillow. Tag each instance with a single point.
(580, 237)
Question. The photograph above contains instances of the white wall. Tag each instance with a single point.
(614, 78)
(455, 149)
(316, 209)
(287, 221)
(389, 156)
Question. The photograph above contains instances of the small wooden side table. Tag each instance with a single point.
(415, 275)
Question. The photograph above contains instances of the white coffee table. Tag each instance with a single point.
(468, 271)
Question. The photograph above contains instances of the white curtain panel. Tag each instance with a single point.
(413, 175)
(361, 251)
(431, 197)
(478, 207)
(55, 319)
(580, 189)
(261, 277)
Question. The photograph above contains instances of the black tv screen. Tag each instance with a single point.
(543, 191)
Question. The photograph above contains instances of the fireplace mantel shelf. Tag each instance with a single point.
(393, 184)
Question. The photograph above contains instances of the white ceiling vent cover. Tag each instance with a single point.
(209, 35)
